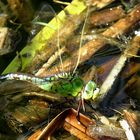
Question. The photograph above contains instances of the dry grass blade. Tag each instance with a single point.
(128, 131)
(106, 86)
(69, 121)
(45, 133)
(133, 118)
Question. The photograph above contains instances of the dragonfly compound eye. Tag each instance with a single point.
(89, 90)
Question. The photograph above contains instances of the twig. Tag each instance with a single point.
(112, 14)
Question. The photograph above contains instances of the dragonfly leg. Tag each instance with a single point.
(78, 109)
(78, 119)
(81, 103)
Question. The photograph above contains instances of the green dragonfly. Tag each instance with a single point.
(66, 84)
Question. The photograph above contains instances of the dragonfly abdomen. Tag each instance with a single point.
(21, 77)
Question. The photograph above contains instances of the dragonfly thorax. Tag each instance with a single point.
(68, 86)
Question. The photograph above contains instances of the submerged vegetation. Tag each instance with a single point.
(84, 59)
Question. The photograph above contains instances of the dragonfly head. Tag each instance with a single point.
(90, 91)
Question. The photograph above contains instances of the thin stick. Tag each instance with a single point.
(81, 40)
(52, 59)
(58, 45)
(61, 2)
